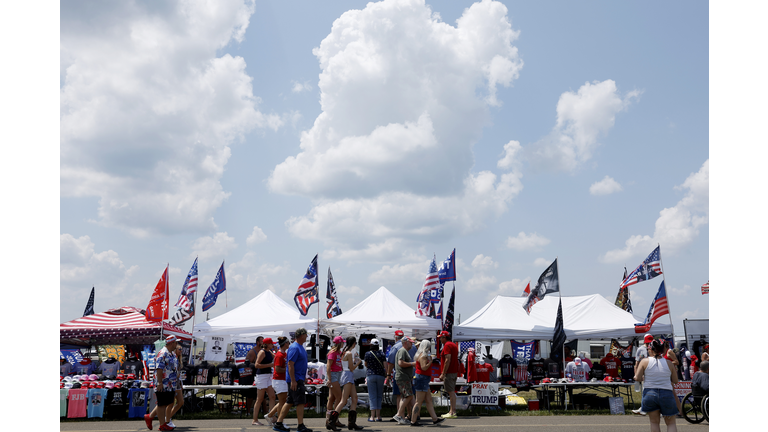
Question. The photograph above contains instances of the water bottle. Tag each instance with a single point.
(637, 386)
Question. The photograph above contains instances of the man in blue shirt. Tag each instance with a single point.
(296, 357)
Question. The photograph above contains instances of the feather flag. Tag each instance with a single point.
(659, 308)
(218, 286)
(306, 295)
(548, 283)
(157, 309)
(89, 306)
(333, 308)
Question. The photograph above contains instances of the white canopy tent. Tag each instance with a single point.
(264, 315)
(381, 313)
(584, 317)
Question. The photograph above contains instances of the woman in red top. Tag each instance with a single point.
(423, 368)
(333, 371)
(278, 380)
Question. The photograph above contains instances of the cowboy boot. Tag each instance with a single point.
(328, 420)
(331, 424)
(353, 421)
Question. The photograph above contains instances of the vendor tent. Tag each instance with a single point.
(266, 315)
(584, 317)
(123, 325)
(382, 313)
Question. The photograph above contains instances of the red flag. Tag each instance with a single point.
(705, 288)
(157, 309)
(527, 291)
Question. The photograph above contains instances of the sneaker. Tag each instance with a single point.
(148, 421)
(303, 428)
(171, 425)
(397, 418)
(165, 427)
(449, 416)
(280, 428)
(639, 411)
(268, 419)
(416, 423)
(439, 420)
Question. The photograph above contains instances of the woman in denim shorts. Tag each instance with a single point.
(657, 375)
(349, 361)
(421, 383)
(333, 368)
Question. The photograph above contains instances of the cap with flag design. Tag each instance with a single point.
(171, 338)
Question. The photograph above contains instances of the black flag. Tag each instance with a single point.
(622, 298)
(548, 283)
(558, 339)
(448, 323)
(89, 305)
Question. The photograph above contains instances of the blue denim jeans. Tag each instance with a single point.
(659, 399)
(375, 391)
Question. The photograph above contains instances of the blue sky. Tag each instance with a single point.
(378, 135)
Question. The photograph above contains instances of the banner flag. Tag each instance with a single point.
(447, 270)
(548, 283)
(218, 286)
(647, 270)
(186, 302)
(622, 298)
(157, 309)
(89, 305)
(430, 293)
(333, 308)
(704, 288)
(307, 295)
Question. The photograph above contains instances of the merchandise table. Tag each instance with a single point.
(614, 389)
(317, 388)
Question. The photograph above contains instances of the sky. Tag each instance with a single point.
(380, 135)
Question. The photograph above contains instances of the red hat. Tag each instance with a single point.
(445, 333)
(648, 338)
(121, 376)
(399, 333)
(119, 384)
(61, 384)
(171, 338)
(131, 376)
(267, 341)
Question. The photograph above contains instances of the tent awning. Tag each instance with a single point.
(121, 325)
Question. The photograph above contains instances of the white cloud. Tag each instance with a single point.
(399, 273)
(676, 226)
(525, 241)
(582, 117)
(680, 291)
(513, 288)
(148, 110)
(541, 262)
(482, 263)
(605, 186)
(300, 87)
(638, 302)
(250, 276)
(216, 247)
(256, 237)
(481, 282)
(690, 314)
(400, 168)
(349, 291)
(511, 155)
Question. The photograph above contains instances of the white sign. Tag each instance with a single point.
(216, 348)
(485, 393)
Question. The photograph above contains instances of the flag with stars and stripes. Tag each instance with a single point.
(333, 308)
(659, 307)
(705, 288)
(89, 306)
(430, 293)
(306, 295)
(186, 301)
(647, 270)
(241, 350)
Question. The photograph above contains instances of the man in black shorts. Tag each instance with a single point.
(296, 358)
(165, 384)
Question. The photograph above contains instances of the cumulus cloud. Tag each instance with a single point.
(349, 291)
(481, 282)
(482, 263)
(511, 158)
(396, 169)
(250, 276)
(512, 288)
(401, 273)
(676, 226)
(216, 247)
(605, 186)
(256, 237)
(300, 87)
(680, 291)
(149, 111)
(582, 117)
(525, 241)
(541, 262)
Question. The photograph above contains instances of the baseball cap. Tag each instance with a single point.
(374, 341)
(300, 331)
(268, 341)
(648, 338)
(406, 338)
(445, 333)
(93, 377)
(119, 384)
(577, 360)
(121, 376)
(61, 384)
(69, 385)
(131, 376)
(171, 338)
(338, 340)
(399, 333)
(109, 384)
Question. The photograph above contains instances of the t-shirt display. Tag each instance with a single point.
(452, 349)
(137, 402)
(553, 368)
(204, 374)
(494, 364)
(246, 373)
(227, 373)
(521, 371)
(63, 393)
(65, 369)
(579, 373)
(109, 368)
(78, 404)
(627, 368)
(611, 365)
(117, 402)
(84, 367)
(471, 366)
(641, 353)
(536, 367)
(598, 371)
(134, 366)
(507, 366)
(96, 400)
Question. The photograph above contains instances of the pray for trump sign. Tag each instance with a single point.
(485, 393)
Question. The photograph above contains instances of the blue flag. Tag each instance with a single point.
(447, 270)
(218, 286)
(89, 305)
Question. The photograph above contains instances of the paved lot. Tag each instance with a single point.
(603, 423)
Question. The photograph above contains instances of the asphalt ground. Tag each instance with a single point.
(599, 423)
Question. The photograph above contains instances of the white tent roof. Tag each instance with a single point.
(381, 313)
(584, 317)
(265, 314)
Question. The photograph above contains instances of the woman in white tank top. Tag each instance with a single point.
(657, 375)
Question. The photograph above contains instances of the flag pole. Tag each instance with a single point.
(663, 278)
(560, 295)
(194, 316)
(226, 298)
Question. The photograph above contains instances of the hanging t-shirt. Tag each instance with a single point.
(471, 367)
(65, 369)
(109, 368)
(96, 400)
(521, 371)
(627, 368)
(494, 365)
(137, 402)
(133, 366)
(507, 365)
(117, 401)
(63, 402)
(536, 367)
(552, 367)
(186, 374)
(611, 366)
(227, 373)
(84, 369)
(78, 403)
(579, 373)
(204, 374)
(598, 371)
(246, 372)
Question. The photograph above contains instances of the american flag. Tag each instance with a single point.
(465, 346)
(430, 292)
(187, 296)
(333, 308)
(241, 350)
(306, 295)
(705, 288)
(649, 269)
(659, 308)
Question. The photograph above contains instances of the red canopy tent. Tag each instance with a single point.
(123, 325)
